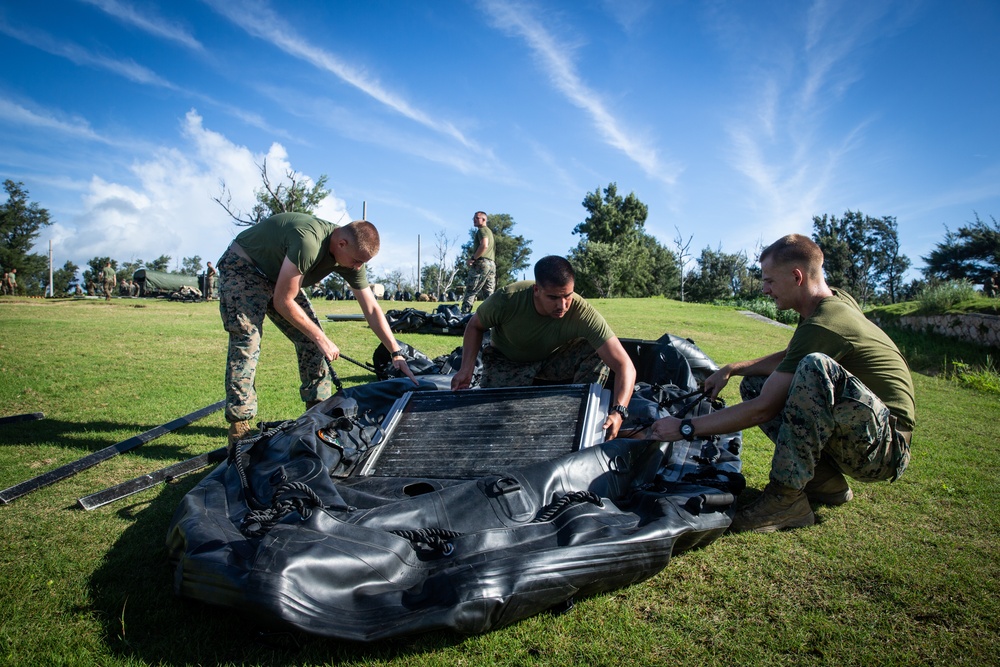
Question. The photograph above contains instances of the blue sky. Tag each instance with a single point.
(735, 122)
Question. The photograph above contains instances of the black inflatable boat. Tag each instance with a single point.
(390, 510)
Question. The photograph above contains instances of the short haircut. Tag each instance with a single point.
(362, 235)
(795, 249)
(481, 212)
(554, 271)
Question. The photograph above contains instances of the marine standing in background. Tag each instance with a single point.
(482, 276)
(210, 276)
(110, 280)
(262, 273)
(4, 283)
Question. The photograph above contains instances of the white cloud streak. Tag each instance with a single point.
(152, 24)
(782, 146)
(554, 59)
(75, 127)
(128, 69)
(260, 21)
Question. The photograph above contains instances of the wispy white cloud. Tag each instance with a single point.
(126, 68)
(79, 128)
(148, 22)
(555, 59)
(259, 20)
(783, 143)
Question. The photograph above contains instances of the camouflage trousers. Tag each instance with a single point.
(481, 281)
(574, 363)
(831, 414)
(245, 297)
(109, 287)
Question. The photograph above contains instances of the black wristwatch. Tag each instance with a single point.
(397, 353)
(687, 430)
(621, 410)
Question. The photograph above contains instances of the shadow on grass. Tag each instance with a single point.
(132, 597)
(88, 435)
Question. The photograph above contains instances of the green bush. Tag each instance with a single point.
(942, 296)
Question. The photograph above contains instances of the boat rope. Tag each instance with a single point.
(258, 522)
(433, 538)
(572, 498)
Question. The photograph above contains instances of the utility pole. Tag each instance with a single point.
(418, 263)
(51, 293)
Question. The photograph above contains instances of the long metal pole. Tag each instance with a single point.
(92, 459)
(51, 292)
(418, 263)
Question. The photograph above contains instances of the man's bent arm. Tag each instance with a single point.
(472, 340)
(754, 412)
(766, 365)
(614, 355)
(285, 291)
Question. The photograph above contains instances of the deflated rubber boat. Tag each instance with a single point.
(391, 509)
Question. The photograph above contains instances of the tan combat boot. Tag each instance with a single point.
(238, 431)
(776, 508)
(828, 485)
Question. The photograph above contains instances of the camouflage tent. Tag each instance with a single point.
(159, 283)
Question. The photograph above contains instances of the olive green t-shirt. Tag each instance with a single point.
(305, 241)
(108, 273)
(841, 331)
(487, 233)
(522, 335)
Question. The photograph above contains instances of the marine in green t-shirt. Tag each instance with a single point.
(263, 273)
(542, 330)
(837, 401)
(482, 277)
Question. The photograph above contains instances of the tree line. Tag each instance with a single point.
(615, 256)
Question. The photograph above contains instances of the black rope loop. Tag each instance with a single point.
(257, 522)
(435, 539)
(572, 498)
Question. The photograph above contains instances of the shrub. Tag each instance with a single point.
(942, 296)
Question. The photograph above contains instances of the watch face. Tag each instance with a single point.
(687, 430)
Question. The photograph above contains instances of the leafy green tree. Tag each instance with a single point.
(161, 263)
(295, 196)
(20, 224)
(512, 250)
(635, 267)
(191, 266)
(612, 218)
(616, 257)
(64, 278)
(861, 254)
(971, 253)
(720, 275)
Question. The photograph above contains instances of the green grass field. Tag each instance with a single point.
(906, 574)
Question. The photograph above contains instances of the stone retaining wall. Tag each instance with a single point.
(970, 327)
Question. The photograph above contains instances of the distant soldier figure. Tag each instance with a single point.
(12, 282)
(211, 275)
(5, 283)
(991, 285)
(482, 277)
(110, 280)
